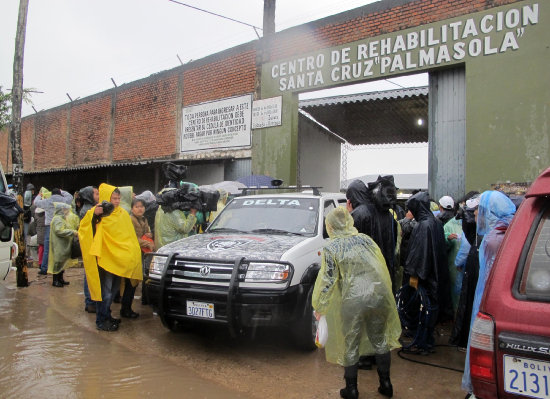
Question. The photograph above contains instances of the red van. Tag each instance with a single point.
(510, 338)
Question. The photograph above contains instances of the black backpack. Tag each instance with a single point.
(9, 211)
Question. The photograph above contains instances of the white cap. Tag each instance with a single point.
(473, 202)
(446, 202)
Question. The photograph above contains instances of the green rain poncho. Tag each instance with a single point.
(62, 233)
(126, 197)
(353, 289)
(172, 226)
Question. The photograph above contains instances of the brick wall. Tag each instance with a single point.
(89, 132)
(353, 25)
(146, 120)
(50, 147)
(227, 77)
(144, 124)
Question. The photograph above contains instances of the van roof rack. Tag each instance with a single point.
(315, 189)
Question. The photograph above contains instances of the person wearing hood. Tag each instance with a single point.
(110, 250)
(63, 230)
(353, 291)
(47, 203)
(358, 201)
(382, 193)
(426, 264)
(151, 207)
(40, 216)
(173, 224)
(126, 197)
(28, 198)
(494, 214)
(467, 259)
(370, 210)
(89, 197)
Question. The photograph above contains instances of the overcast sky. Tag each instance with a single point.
(77, 46)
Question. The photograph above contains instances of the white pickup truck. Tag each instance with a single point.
(255, 265)
(7, 247)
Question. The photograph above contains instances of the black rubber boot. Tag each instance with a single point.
(350, 391)
(385, 387)
(61, 279)
(366, 362)
(56, 282)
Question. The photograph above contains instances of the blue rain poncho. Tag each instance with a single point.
(353, 289)
(495, 213)
(454, 226)
(63, 229)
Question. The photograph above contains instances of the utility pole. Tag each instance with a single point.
(15, 136)
(264, 46)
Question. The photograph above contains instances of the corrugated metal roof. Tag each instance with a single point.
(95, 166)
(383, 117)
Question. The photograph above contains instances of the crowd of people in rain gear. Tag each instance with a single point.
(111, 229)
(379, 256)
(382, 258)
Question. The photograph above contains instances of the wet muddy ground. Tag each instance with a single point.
(50, 348)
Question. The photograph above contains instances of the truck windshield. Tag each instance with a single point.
(277, 215)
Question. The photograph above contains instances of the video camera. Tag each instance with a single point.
(188, 196)
(185, 196)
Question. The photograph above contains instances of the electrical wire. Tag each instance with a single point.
(400, 354)
(213, 13)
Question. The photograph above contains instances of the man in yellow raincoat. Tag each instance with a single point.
(354, 291)
(110, 250)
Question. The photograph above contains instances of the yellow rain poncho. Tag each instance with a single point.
(62, 232)
(45, 193)
(220, 205)
(353, 289)
(114, 247)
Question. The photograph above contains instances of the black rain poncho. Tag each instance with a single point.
(426, 258)
(86, 194)
(380, 225)
(353, 289)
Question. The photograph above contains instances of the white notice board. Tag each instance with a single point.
(217, 124)
(267, 112)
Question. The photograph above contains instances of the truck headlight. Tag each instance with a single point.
(267, 273)
(157, 265)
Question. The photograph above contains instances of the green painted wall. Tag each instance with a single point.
(508, 111)
(275, 149)
(506, 54)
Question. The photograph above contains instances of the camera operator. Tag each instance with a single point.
(171, 222)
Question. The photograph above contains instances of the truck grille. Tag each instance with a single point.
(207, 271)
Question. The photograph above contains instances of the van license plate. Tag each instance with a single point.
(527, 377)
(200, 309)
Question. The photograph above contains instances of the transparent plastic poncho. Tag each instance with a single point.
(62, 233)
(495, 213)
(172, 226)
(353, 289)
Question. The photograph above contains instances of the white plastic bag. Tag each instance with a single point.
(322, 332)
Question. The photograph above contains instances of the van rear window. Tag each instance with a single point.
(535, 280)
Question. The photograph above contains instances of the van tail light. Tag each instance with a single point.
(482, 348)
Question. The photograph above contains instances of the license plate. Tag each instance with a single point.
(200, 309)
(527, 377)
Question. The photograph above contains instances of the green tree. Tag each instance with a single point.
(5, 108)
